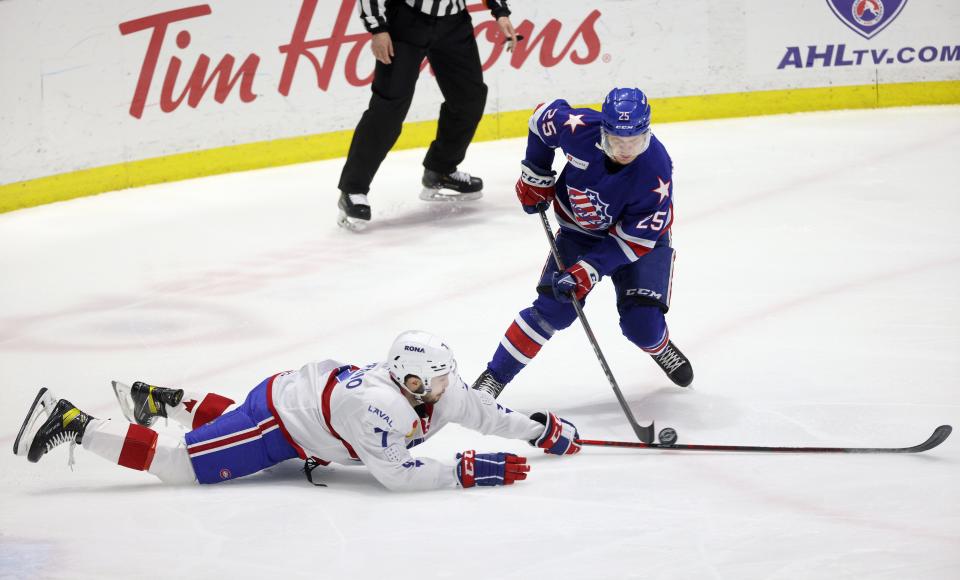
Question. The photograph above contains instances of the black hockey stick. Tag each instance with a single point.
(939, 435)
(644, 433)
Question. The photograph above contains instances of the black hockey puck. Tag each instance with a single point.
(667, 436)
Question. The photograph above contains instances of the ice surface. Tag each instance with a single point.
(816, 292)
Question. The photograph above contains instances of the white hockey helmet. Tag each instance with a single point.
(420, 354)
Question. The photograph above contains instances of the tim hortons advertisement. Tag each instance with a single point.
(320, 57)
(120, 81)
(89, 84)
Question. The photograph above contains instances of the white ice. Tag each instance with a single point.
(816, 292)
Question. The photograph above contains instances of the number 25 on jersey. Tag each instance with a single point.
(653, 222)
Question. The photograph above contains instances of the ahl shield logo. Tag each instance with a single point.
(867, 17)
(588, 209)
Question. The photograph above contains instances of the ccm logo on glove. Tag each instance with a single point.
(490, 468)
(535, 188)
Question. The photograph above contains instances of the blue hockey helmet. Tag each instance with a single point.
(625, 127)
(626, 112)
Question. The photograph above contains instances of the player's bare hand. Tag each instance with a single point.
(506, 27)
(382, 47)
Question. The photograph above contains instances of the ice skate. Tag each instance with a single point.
(487, 384)
(62, 422)
(143, 403)
(456, 186)
(354, 211)
(677, 366)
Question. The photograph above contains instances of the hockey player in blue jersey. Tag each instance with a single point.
(614, 202)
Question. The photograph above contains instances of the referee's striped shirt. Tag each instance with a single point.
(374, 14)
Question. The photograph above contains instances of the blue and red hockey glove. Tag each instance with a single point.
(559, 436)
(577, 280)
(535, 188)
(490, 468)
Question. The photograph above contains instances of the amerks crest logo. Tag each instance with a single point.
(588, 209)
(867, 17)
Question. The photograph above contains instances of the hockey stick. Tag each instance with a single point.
(644, 433)
(939, 435)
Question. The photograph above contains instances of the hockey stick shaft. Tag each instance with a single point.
(644, 433)
(939, 435)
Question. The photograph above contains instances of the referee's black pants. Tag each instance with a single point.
(450, 47)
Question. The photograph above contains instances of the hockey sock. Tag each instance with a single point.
(141, 449)
(645, 327)
(659, 346)
(196, 409)
(126, 444)
(522, 341)
(171, 463)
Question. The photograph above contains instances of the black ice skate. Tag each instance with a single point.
(460, 186)
(354, 211)
(677, 367)
(62, 423)
(143, 403)
(485, 383)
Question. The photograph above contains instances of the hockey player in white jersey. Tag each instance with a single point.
(325, 412)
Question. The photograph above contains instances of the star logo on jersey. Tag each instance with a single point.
(663, 189)
(188, 405)
(574, 121)
(588, 209)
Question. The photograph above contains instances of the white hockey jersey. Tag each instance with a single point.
(342, 414)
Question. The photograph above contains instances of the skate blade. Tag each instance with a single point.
(352, 224)
(36, 416)
(431, 194)
(125, 398)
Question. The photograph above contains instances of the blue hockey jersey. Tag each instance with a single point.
(628, 209)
